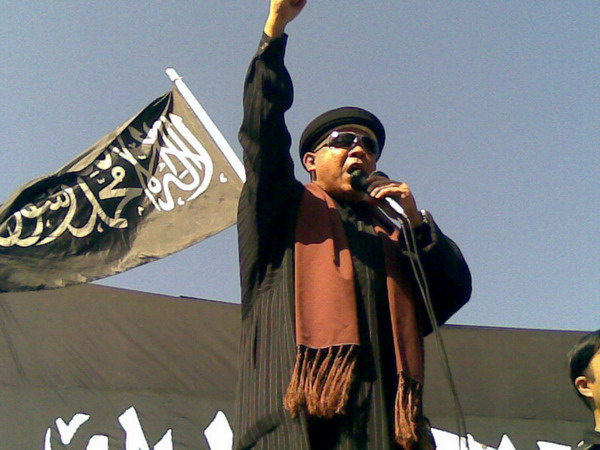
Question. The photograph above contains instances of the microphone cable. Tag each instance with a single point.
(419, 272)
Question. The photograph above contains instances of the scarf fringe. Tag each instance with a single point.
(412, 429)
(321, 381)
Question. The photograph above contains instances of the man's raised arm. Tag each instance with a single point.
(270, 183)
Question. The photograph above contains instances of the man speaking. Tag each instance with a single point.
(332, 319)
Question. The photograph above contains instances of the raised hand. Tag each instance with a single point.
(281, 13)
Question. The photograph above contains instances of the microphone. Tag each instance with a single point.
(358, 180)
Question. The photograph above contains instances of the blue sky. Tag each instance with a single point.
(492, 111)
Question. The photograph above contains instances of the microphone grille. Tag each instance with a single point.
(358, 180)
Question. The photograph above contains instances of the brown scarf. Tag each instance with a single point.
(327, 335)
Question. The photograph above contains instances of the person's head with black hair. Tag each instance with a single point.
(337, 143)
(584, 368)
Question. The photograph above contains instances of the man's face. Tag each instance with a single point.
(330, 166)
(589, 384)
(595, 384)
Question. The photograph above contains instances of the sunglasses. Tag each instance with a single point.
(349, 140)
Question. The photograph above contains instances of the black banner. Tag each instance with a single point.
(156, 185)
(97, 368)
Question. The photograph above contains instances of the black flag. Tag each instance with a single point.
(156, 185)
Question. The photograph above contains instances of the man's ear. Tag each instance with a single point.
(583, 386)
(309, 162)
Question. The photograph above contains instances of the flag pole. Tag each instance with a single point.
(210, 126)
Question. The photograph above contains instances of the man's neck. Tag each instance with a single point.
(597, 418)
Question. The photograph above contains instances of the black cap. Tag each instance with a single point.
(320, 127)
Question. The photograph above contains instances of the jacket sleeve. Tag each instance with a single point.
(447, 272)
(264, 206)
